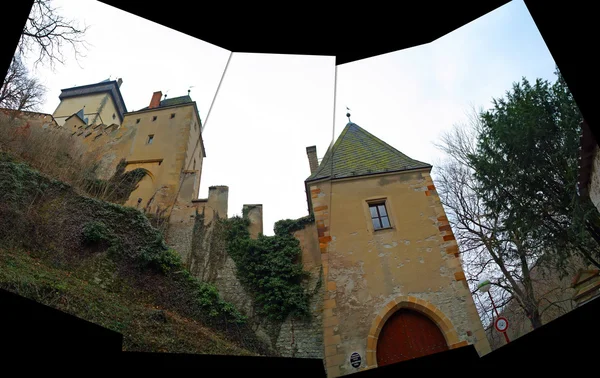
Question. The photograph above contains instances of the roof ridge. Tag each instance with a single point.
(330, 152)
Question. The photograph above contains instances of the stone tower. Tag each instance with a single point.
(395, 288)
(164, 139)
(99, 103)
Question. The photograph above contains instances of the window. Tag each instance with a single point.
(154, 118)
(172, 115)
(114, 116)
(137, 121)
(379, 215)
(195, 127)
(150, 139)
(194, 164)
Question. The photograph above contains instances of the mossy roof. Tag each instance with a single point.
(357, 152)
(173, 101)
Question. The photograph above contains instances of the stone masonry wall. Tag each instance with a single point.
(196, 233)
(305, 339)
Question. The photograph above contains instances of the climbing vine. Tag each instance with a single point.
(270, 267)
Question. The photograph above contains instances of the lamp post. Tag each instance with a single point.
(501, 323)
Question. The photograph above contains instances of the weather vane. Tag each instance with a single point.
(348, 114)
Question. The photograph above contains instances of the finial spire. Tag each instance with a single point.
(348, 114)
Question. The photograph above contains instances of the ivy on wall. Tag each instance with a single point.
(270, 267)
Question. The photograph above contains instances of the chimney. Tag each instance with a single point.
(119, 82)
(312, 158)
(155, 100)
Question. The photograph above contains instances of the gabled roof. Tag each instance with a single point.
(79, 115)
(82, 116)
(110, 87)
(358, 153)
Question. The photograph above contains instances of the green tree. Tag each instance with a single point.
(487, 247)
(526, 164)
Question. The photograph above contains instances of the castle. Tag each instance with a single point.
(393, 284)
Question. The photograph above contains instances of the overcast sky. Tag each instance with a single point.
(271, 107)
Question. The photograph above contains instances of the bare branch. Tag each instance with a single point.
(20, 91)
(46, 33)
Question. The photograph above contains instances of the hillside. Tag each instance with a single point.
(105, 263)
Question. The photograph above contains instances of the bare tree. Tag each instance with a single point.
(46, 33)
(488, 248)
(19, 90)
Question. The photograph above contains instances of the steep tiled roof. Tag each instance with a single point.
(173, 101)
(176, 101)
(357, 152)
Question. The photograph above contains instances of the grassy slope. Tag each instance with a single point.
(145, 327)
(43, 256)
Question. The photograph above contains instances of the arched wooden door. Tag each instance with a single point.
(408, 334)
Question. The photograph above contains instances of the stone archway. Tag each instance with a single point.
(422, 312)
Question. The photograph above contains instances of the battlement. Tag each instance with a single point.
(255, 215)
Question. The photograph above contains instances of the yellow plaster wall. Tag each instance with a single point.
(367, 270)
(194, 152)
(106, 112)
(171, 138)
(69, 106)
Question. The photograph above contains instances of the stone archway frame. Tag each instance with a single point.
(422, 306)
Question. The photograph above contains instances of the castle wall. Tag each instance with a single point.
(93, 103)
(594, 185)
(255, 214)
(183, 221)
(168, 148)
(370, 273)
(17, 118)
(200, 240)
(107, 112)
(304, 339)
(194, 157)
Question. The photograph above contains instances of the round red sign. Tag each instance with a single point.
(501, 324)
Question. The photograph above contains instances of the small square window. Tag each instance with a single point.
(154, 118)
(379, 215)
(137, 121)
(150, 139)
(172, 115)
(114, 116)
